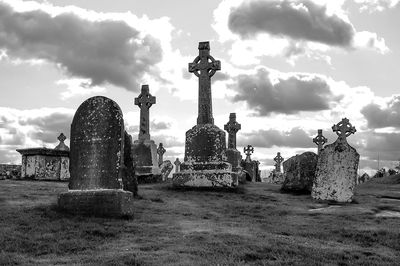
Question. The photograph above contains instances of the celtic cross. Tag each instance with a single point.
(177, 165)
(320, 140)
(248, 151)
(204, 67)
(160, 152)
(344, 129)
(232, 127)
(145, 100)
(278, 159)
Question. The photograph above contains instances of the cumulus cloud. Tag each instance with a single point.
(96, 47)
(387, 115)
(377, 5)
(159, 125)
(266, 92)
(295, 138)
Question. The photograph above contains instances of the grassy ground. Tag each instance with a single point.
(256, 226)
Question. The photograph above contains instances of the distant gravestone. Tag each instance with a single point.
(144, 150)
(233, 156)
(337, 166)
(177, 165)
(250, 167)
(320, 140)
(160, 152)
(278, 160)
(129, 179)
(166, 168)
(299, 172)
(248, 151)
(363, 178)
(96, 159)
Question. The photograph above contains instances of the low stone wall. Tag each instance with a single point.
(10, 171)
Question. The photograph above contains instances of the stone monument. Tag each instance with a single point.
(205, 162)
(299, 173)
(96, 159)
(177, 165)
(129, 180)
(337, 166)
(160, 152)
(278, 160)
(166, 168)
(320, 140)
(144, 150)
(250, 167)
(232, 154)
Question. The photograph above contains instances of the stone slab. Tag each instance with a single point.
(205, 179)
(104, 202)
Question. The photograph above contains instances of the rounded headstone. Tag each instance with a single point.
(97, 141)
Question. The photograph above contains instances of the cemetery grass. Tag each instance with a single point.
(256, 225)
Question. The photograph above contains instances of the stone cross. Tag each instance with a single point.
(344, 129)
(61, 145)
(248, 151)
(204, 67)
(278, 159)
(160, 152)
(232, 127)
(62, 137)
(177, 165)
(320, 140)
(145, 100)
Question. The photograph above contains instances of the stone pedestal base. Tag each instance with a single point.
(147, 179)
(102, 202)
(144, 153)
(205, 179)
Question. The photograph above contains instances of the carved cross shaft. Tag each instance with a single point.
(177, 165)
(204, 67)
(145, 100)
(320, 140)
(344, 129)
(160, 152)
(278, 159)
(232, 127)
(248, 151)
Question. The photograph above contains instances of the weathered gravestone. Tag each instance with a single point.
(250, 167)
(129, 179)
(96, 159)
(205, 160)
(233, 156)
(144, 150)
(363, 178)
(177, 165)
(166, 168)
(337, 167)
(160, 152)
(299, 172)
(320, 140)
(278, 160)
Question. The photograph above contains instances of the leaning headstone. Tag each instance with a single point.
(299, 172)
(205, 162)
(337, 167)
(320, 140)
(96, 159)
(144, 150)
(160, 152)
(278, 160)
(129, 180)
(166, 168)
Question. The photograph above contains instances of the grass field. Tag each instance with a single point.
(255, 226)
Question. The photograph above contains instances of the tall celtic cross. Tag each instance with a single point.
(278, 159)
(344, 129)
(248, 151)
(204, 67)
(177, 165)
(320, 140)
(145, 100)
(232, 127)
(160, 152)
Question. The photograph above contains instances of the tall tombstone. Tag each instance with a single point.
(337, 167)
(320, 140)
(177, 165)
(96, 159)
(144, 150)
(250, 167)
(205, 162)
(160, 152)
(278, 160)
(232, 154)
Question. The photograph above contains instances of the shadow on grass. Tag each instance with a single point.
(236, 190)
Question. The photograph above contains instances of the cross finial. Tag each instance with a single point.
(204, 67)
(232, 127)
(160, 152)
(278, 159)
(320, 140)
(62, 137)
(344, 129)
(61, 145)
(248, 151)
(145, 100)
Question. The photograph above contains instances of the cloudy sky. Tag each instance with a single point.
(289, 67)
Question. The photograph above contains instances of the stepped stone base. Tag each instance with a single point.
(147, 179)
(102, 202)
(205, 179)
